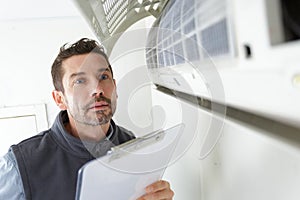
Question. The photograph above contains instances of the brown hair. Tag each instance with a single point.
(82, 46)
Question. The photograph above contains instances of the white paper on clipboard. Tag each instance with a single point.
(124, 173)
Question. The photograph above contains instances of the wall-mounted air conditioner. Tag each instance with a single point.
(243, 54)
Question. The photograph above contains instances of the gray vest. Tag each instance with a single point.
(49, 162)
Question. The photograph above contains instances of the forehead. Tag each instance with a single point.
(84, 63)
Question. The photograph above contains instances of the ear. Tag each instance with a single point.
(59, 99)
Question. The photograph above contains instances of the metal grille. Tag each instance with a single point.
(114, 11)
(190, 31)
(110, 18)
(215, 39)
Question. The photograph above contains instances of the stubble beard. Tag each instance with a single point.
(98, 117)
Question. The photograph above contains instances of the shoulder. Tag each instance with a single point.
(32, 143)
(36, 138)
(7, 161)
(125, 131)
(122, 133)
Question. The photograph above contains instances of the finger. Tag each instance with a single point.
(157, 186)
(165, 194)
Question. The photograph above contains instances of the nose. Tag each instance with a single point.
(97, 90)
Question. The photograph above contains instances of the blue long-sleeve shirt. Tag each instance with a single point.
(11, 186)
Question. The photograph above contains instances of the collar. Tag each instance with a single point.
(76, 146)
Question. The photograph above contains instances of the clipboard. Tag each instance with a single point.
(128, 168)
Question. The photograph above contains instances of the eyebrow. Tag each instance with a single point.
(76, 74)
(104, 69)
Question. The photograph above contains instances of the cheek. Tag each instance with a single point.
(80, 92)
(77, 100)
(73, 98)
(113, 94)
(111, 89)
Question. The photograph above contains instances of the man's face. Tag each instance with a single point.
(90, 90)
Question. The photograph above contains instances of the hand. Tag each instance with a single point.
(159, 190)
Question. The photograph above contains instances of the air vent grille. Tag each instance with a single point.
(189, 31)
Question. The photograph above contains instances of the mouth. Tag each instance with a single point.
(99, 106)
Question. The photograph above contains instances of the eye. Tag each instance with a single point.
(79, 81)
(103, 77)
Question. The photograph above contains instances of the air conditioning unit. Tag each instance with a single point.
(242, 54)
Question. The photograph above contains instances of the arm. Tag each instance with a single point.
(159, 190)
(11, 186)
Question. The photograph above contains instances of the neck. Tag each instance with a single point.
(87, 132)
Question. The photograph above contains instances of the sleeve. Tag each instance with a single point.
(11, 186)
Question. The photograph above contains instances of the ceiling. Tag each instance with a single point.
(28, 9)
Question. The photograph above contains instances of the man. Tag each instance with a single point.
(45, 166)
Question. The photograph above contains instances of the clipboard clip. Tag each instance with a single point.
(135, 144)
